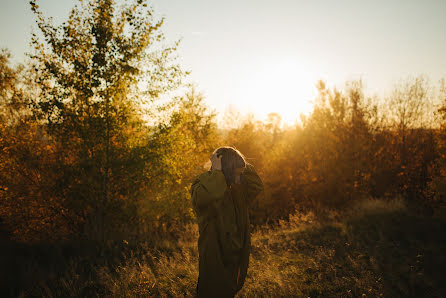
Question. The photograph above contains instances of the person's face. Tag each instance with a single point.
(208, 164)
(216, 161)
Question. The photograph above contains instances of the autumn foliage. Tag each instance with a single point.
(91, 149)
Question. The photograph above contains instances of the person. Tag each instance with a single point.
(222, 272)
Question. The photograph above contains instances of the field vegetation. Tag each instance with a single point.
(377, 249)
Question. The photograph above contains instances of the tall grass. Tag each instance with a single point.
(377, 249)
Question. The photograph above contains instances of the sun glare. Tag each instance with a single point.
(286, 87)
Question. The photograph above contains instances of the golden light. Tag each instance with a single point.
(285, 86)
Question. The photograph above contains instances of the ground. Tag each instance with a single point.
(377, 248)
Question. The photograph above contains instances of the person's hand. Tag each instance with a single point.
(216, 162)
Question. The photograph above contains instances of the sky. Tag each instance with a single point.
(259, 56)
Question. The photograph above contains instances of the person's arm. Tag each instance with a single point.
(207, 188)
(252, 181)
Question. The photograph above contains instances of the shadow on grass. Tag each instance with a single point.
(70, 268)
(389, 254)
(394, 253)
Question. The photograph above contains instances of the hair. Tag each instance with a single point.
(231, 159)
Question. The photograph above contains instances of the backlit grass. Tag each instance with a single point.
(378, 249)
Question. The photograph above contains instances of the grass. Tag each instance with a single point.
(377, 249)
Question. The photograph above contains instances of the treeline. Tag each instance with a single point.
(349, 148)
(91, 149)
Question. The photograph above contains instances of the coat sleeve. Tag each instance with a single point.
(207, 188)
(254, 184)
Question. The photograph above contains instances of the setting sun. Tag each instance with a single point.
(285, 86)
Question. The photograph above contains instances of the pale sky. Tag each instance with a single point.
(265, 56)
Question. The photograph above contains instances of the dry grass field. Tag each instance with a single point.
(377, 249)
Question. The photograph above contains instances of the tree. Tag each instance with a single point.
(97, 73)
(181, 145)
(337, 138)
(439, 182)
(24, 153)
(411, 114)
(11, 95)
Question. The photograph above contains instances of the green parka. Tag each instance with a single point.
(221, 275)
